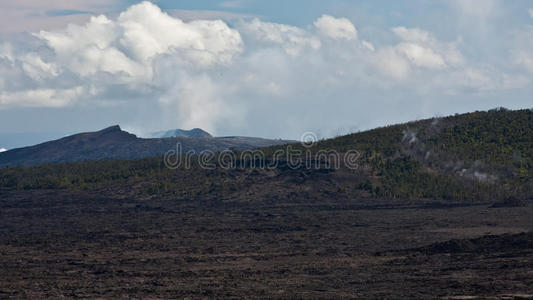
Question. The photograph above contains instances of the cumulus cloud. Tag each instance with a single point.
(41, 97)
(336, 28)
(391, 63)
(421, 56)
(292, 39)
(417, 49)
(412, 35)
(209, 74)
(3, 150)
(149, 32)
(127, 46)
(423, 49)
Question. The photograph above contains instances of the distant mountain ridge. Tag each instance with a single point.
(113, 143)
(193, 133)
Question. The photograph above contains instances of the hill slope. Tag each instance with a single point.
(113, 143)
(480, 156)
(474, 155)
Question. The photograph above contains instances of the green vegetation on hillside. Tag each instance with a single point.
(477, 156)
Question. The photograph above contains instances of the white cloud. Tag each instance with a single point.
(40, 97)
(126, 47)
(417, 49)
(424, 50)
(420, 56)
(412, 35)
(368, 45)
(3, 149)
(204, 73)
(37, 69)
(336, 28)
(292, 39)
(197, 100)
(91, 48)
(392, 64)
(148, 32)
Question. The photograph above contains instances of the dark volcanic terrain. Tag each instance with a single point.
(438, 208)
(87, 245)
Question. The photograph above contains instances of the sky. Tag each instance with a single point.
(273, 69)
